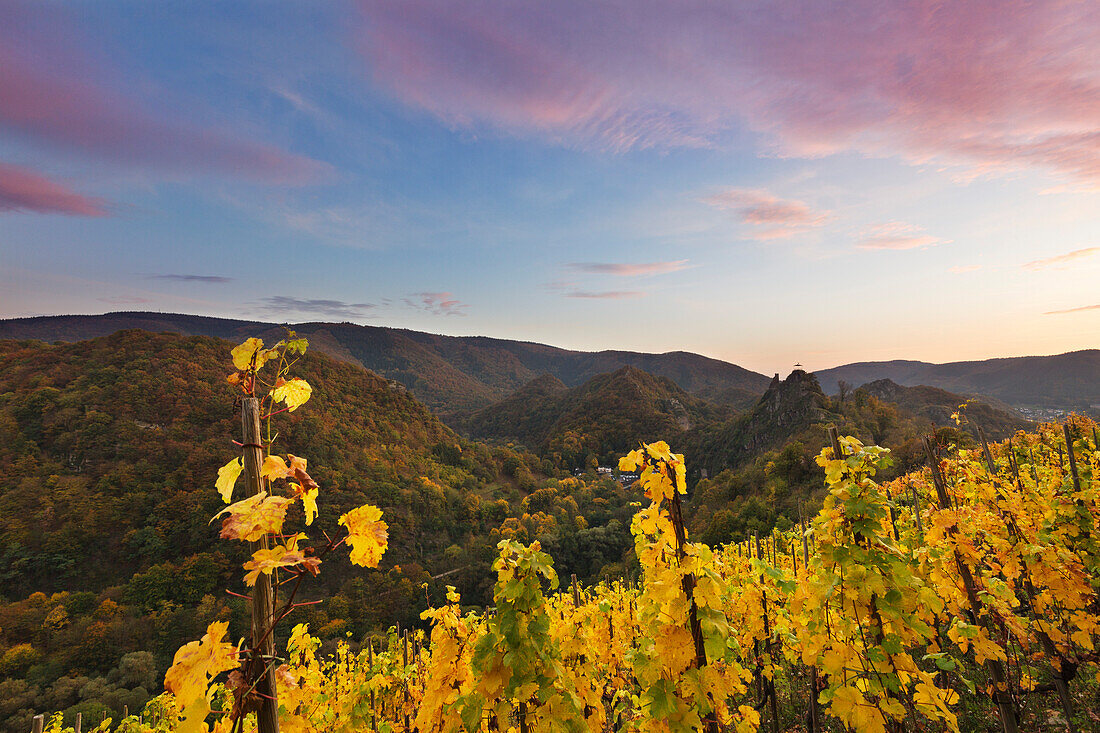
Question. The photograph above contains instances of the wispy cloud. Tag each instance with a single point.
(1060, 262)
(24, 190)
(57, 93)
(315, 306)
(1074, 310)
(192, 278)
(898, 235)
(440, 304)
(124, 300)
(569, 289)
(991, 86)
(605, 294)
(960, 269)
(775, 218)
(623, 269)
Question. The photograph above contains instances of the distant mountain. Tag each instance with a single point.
(452, 375)
(1069, 381)
(606, 416)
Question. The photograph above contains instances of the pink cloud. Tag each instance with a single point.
(1062, 261)
(775, 217)
(624, 269)
(440, 304)
(992, 86)
(58, 93)
(605, 294)
(898, 235)
(24, 190)
(1074, 310)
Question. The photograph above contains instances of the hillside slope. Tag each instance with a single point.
(797, 409)
(126, 432)
(937, 405)
(761, 463)
(452, 375)
(109, 449)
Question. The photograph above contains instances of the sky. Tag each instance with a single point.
(764, 183)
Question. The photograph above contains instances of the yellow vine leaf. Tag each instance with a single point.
(252, 518)
(193, 717)
(933, 702)
(197, 662)
(251, 351)
(852, 708)
(631, 461)
(367, 535)
(280, 556)
(294, 392)
(227, 479)
(274, 468)
(309, 502)
(749, 721)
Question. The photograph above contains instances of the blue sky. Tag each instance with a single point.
(857, 182)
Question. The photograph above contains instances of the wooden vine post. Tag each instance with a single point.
(1072, 458)
(263, 602)
(370, 664)
(1002, 696)
(815, 712)
(710, 722)
(878, 630)
(769, 685)
(405, 686)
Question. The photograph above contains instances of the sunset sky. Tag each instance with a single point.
(760, 182)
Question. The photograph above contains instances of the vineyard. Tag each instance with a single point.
(959, 598)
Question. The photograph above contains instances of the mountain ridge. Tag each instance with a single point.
(457, 375)
(452, 375)
(1070, 380)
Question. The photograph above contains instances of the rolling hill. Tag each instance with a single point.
(606, 416)
(456, 376)
(125, 432)
(937, 405)
(109, 449)
(452, 375)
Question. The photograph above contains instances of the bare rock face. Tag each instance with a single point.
(797, 400)
(787, 407)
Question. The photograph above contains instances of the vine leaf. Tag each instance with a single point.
(368, 535)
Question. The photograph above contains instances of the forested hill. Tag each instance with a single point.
(761, 462)
(1069, 381)
(938, 405)
(451, 375)
(109, 450)
(606, 416)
